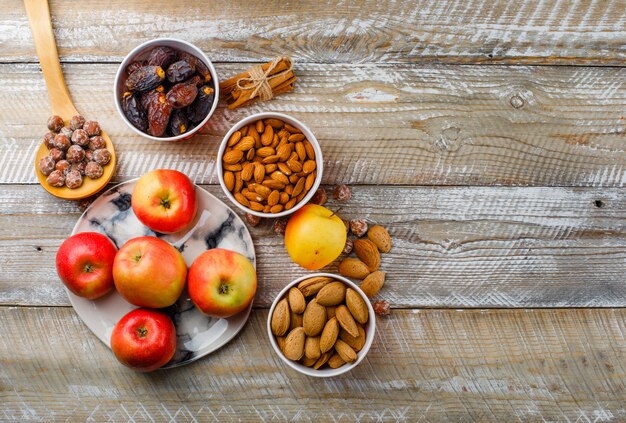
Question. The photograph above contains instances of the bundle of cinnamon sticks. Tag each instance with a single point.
(260, 82)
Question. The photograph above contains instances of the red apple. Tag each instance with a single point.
(221, 282)
(85, 264)
(149, 272)
(144, 340)
(164, 200)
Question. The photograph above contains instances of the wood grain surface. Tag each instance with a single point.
(453, 247)
(377, 124)
(456, 31)
(428, 365)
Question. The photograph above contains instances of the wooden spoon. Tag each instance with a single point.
(60, 101)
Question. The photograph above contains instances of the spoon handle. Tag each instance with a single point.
(39, 17)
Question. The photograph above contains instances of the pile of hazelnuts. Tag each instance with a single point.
(75, 151)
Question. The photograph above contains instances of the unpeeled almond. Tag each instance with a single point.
(379, 236)
(329, 335)
(332, 294)
(357, 306)
(280, 318)
(312, 347)
(373, 283)
(297, 303)
(314, 318)
(346, 352)
(346, 321)
(294, 344)
(353, 268)
(367, 251)
(313, 285)
(355, 343)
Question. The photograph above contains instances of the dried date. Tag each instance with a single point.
(182, 95)
(133, 66)
(162, 56)
(134, 111)
(201, 68)
(145, 79)
(179, 71)
(178, 122)
(159, 111)
(198, 110)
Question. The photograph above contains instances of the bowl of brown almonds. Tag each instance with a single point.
(269, 164)
(321, 325)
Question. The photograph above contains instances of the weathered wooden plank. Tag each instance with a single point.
(427, 125)
(548, 31)
(429, 365)
(453, 247)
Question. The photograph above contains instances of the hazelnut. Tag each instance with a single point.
(101, 156)
(80, 137)
(279, 226)
(48, 140)
(75, 154)
(93, 170)
(56, 178)
(382, 308)
(319, 197)
(77, 122)
(342, 193)
(73, 179)
(67, 132)
(62, 142)
(63, 166)
(97, 142)
(92, 127)
(89, 155)
(55, 123)
(46, 165)
(358, 227)
(80, 167)
(252, 219)
(57, 154)
(347, 249)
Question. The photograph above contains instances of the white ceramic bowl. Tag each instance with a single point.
(319, 160)
(370, 329)
(141, 52)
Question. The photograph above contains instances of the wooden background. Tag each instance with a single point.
(488, 136)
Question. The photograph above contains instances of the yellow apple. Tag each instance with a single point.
(314, 236)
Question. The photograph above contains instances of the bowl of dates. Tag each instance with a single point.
(166, 89)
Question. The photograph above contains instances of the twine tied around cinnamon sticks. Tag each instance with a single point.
(260, 82)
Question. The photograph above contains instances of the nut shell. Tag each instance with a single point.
(353, 268)
(373, 283)
(380, 237)
(346, 321)
(297, 303)
(367, 251)
(312, 346)
(345, 351)
(329, 335)
(356, 305)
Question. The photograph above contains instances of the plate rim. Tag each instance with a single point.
(214, 347)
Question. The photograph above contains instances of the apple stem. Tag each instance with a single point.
(335, 212)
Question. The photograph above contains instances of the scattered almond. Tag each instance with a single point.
(353, 268)
(356, 305)
(380, 237)
(367, 251)
(373, 283)
(332, 294)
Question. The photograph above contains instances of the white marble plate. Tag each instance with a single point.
(216, 225)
